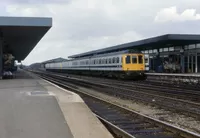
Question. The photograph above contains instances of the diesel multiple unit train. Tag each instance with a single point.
(117, 65)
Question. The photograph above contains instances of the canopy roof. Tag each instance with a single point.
(150, 43)
(21, 34)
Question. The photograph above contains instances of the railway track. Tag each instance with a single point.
(184, 82)
(152, 89)
(168, 103)
(163, 96)
(123, 121)
(175, 91)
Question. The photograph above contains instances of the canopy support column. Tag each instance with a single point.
(1, 57)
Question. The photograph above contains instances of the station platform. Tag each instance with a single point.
(175, 74)
(31, 107)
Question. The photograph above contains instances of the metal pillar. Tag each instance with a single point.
(1, 57)
(182, 63)
(188, 63)
(182, 56)
(158, 62)
(192, 62)
(196, 64)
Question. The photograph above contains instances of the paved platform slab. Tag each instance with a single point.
(33, 108)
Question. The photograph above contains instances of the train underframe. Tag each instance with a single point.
(129, 75)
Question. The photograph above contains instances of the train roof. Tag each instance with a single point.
(59, 60)
(150, 43)
(109, 54)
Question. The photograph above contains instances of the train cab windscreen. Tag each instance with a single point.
(140, 59)
(134, 59)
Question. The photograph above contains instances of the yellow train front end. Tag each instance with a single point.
(134, 66)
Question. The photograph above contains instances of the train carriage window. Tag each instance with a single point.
(117, 60)
(110, 60)
(134, 59)
(113, 60)
(128, 59)
(99, 61)
(140, 59)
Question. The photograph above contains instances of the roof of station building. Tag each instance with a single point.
(150, 43)
(21, 34)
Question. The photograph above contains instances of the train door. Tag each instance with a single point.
(127, 62)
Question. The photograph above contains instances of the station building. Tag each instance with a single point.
(171, 52)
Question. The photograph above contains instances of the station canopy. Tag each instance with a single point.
(168, 40)
(21, 34)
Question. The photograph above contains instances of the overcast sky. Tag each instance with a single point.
(84, 25)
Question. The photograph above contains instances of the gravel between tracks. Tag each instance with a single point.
(182, 121)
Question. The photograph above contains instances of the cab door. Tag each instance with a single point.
(127, 62)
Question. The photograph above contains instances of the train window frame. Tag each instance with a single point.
(110, 60)
(113, 60)
(129, 61)
(117, 60)
(133, 59)
(140, 59)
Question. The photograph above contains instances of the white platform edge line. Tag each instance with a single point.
(72, 132)
(72, 93)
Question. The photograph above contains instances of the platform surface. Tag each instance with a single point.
(33, 108)
(175, 74)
